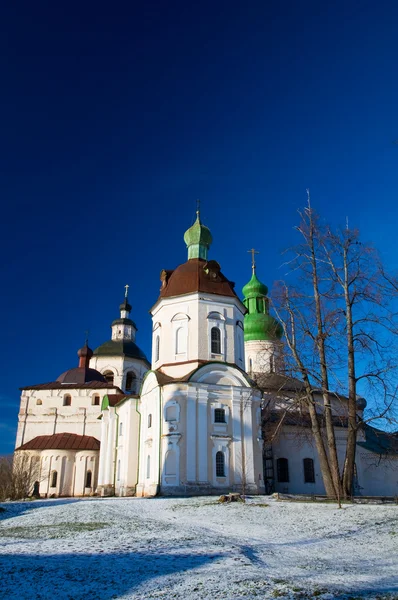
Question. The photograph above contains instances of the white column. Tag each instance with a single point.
(202, 436)
(191, 429)
(248, 436)
(236, 435)
(102, 456)
(109, 451)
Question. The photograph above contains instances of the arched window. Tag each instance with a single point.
(148, 467)
(171, 463)
(219, 415)
(67, 400)
(96, 400)
(109, 376)
(54, 477)
(171, 413)
(220, 466)
(120, 429)
(181, 340)
(149, 421)
(282, 469)
(157, 348)
(309, 473)
(131, 382)
(215, 340)
(88, 479)
(118, 470)
(39, 402)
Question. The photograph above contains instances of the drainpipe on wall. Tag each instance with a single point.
(55, 420)
(84, 420)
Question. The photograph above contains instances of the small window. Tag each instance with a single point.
(220, 466)
(219, 415)
(39, 402)
(96, 400)
(109, 376)
(149, 421)
(88, 479)
(171, 413)
(131, 381)
(67, 400)
(120, 429)
(118, 470)
(309, 473)
(54, 477)
(157, 348)
(282, 468)
(181, 340)
(215, 340)
(148, 467)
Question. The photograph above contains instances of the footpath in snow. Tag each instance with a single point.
(187, 548)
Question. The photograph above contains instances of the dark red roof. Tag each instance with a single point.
(80, 375)
(196, 275)
(62, 441)
(56, 385)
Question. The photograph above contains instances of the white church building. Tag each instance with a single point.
(194, 421)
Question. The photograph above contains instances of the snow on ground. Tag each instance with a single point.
(196, 548)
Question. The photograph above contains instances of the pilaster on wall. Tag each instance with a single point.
(202, 399)
(191, 434)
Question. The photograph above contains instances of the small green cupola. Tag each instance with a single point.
(198, 239)
(258, 323)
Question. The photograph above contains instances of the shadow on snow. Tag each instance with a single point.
(93, 576)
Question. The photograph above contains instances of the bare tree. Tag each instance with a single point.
(18, 474)
(339, 324)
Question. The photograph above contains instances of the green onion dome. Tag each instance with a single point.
(258, 323)
(254, 288)
(198, 239)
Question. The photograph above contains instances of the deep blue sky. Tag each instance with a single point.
(115, 117)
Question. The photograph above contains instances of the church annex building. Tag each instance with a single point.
(191, 420)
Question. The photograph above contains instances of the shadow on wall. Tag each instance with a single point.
(92, 576)
(14, 509)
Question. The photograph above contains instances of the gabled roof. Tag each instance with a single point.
(62, 441)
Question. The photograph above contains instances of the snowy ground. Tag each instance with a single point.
(196, 548)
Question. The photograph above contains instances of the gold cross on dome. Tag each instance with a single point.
(126, 287)
(253, 252)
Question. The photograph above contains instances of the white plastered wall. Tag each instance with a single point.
(42, 413)
(194, 315)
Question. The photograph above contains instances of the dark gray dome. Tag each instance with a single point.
(120, 348)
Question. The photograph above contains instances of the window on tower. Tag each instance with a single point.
(67, 400)
(54, 477)
(215, 340)
(131, 382)
(157, 348)
(96, 400)
(109, 376)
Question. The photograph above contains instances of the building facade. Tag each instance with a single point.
(202, 418)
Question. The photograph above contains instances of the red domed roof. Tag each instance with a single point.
(81, 375)
(196, 275)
